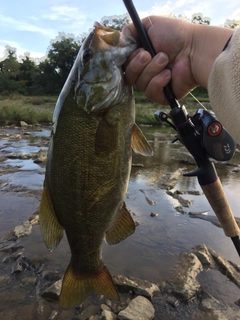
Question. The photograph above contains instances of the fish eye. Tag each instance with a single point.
(87, 55)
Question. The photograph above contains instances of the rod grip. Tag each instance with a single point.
(216, 197)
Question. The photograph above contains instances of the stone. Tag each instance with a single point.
(182, 201)
(169, 179)
(108, 315)
(23, 124)
(52, 293)
(24, 229)
(89, 311)
(183, 283)
(139, 308)
(41, 156)
(138, 286)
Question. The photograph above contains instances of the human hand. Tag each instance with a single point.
(171, 39)
(189, 50)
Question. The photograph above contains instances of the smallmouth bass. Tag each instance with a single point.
(89, 162)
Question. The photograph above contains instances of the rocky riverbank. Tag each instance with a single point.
(180, 297)
(30, 290)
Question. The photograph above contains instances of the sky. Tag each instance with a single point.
(30, 25)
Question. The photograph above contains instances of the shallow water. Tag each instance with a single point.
(152, 250)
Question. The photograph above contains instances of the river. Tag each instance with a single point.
(151, 252)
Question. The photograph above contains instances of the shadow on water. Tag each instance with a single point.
(151, 252)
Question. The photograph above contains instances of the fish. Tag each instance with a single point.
(89, 162)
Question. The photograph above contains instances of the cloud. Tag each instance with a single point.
(19, 49)
(24, 26)
(70, 16)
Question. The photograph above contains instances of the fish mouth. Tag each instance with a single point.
(113, 37)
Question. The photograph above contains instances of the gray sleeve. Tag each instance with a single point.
(224, 86)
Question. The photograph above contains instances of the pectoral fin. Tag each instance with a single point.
(123, 227)
(139, 142)
(52, 231)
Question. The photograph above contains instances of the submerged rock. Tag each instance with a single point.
(169, 179)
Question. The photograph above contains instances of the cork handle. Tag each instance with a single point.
(218, 201)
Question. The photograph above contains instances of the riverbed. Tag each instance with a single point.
(162, 232)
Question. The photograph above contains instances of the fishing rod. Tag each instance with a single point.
(203, 136)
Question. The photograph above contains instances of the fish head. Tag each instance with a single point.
(98, 68)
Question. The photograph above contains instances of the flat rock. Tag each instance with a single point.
(139, 308)
(183, 283)
(138, 286)
(52, 293)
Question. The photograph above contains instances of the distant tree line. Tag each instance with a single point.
(31, 77)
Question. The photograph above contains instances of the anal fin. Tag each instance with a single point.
(123, 227)
(52, 231)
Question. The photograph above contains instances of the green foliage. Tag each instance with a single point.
(16, 108)
(117, 22)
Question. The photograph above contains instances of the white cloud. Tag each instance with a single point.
(24, 26)
(70, 16)
(19, 49)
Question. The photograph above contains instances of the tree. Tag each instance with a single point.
(62, 55)
(9, 71)
(199, 19)
(232, 23)
(28, 71)
(116, 22)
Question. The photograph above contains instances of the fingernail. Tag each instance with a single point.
(161, 58)
(143, 58)
(166, 73)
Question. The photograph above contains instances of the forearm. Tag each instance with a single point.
(207, 43)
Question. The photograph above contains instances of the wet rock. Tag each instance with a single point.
(41, 156)
(34, 220)
(173, 301)
(13, 257)
(24, 229)
(138, 286)
(149, 201)
(23, 124)
(213, 219)
(91, 310)
(182, 201)
(169, 179)
(22, 264)
(108, 315)
(183, 283)
(153, 214)
(216, 310)
(185, 157)
(139, 308)
(52, 293)
(180, 209)
(203, 255)
(9, 246)
(105, 307)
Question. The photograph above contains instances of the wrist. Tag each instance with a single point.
(207, 43)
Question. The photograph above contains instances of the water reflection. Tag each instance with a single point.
(152, 251)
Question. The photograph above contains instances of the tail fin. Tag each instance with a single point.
(76, 287)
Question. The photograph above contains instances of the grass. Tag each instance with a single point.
(32, 110)
(39, 109)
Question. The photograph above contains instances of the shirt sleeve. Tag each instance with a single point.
(224, 87)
